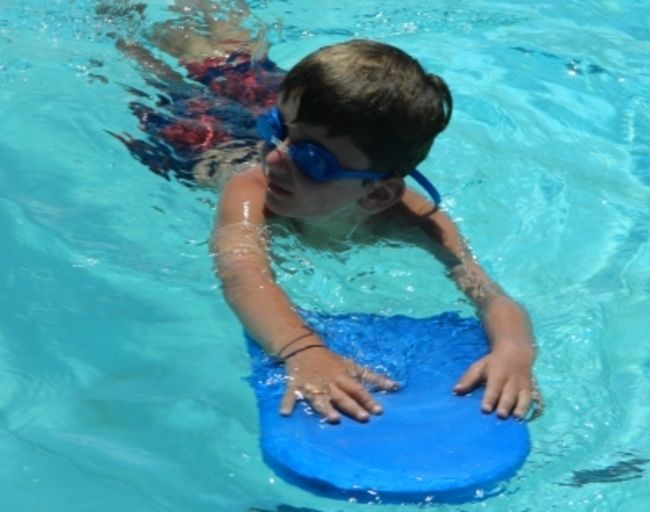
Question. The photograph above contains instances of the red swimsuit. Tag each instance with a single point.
(236, 78)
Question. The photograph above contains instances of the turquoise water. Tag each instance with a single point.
(121, 368)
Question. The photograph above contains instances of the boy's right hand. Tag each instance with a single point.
(332, 384)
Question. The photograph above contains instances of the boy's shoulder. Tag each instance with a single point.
(243, 197)
(248, 182)
(413, 219)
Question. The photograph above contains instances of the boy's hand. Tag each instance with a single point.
(331, 384)
(509, 386)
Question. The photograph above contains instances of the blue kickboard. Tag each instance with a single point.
(429, 445)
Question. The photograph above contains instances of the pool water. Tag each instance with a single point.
(122, 371)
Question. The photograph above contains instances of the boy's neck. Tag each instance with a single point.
(340, 226)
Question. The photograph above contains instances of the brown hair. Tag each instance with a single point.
(375, 93)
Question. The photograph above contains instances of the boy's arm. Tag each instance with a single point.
(329, 382)
(507, 369)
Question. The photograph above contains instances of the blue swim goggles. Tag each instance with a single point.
(316, 162)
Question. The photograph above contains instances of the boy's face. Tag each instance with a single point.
(289, 193)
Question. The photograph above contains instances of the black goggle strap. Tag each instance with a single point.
(426, 185)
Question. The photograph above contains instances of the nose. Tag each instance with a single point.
(278, 156)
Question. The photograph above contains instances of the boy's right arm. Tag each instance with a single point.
(327, 381)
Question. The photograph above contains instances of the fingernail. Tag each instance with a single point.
(377, 409)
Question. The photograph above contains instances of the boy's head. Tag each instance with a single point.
(375, 93)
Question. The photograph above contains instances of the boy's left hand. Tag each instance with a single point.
(506, 372)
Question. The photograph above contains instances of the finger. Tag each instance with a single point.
(507, 401)
(320, 402)
(536, 408)
(472, 378)
(288, 401)
(360, 395)
(347, 405)
(379, 381)
(524, 402)
(491, 395)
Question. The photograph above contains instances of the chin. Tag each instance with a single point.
(279, 208)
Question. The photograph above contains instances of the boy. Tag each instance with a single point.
(351, 121)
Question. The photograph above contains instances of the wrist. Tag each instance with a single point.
(308, 338)
(523, 348)
(298, 351)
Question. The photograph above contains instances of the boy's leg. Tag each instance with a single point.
(219, 37)
(234, 16)
(150, 63)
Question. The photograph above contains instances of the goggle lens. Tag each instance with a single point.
(269, 126)
(311, 161)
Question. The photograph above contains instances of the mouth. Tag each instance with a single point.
(275, 186)
(278, 189)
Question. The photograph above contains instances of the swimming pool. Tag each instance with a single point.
(121, 368)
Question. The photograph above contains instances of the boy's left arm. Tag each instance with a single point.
(507, 369)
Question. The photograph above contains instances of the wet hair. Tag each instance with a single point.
(375, 93)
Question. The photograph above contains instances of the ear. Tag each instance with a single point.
(382, 194)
